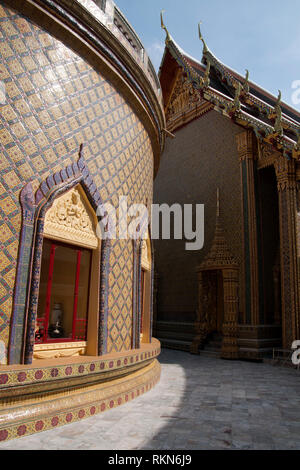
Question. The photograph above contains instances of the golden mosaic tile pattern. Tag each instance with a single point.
(55, 102)
(120, 296)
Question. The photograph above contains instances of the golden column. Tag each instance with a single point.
(247, 145)
(201, 326)
(230, 348)
(287, 194)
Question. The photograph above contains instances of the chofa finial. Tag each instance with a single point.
(205, 49)
(278, 121)
(164, 27)
(246, 86)
(279, 98)
(297, 145)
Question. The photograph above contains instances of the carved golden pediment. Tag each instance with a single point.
(185, 104)
(184, 97)
(266, 154)
(71, 219)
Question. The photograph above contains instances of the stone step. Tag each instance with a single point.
(175, 344)
(208, 353)
(209, 347)
(214, 344)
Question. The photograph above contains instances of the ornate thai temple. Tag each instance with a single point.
(236, 150)
(81, 124)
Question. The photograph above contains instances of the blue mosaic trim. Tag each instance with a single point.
(139, 295)
(21, 285)
(135, 306)
(104, 288)
(152, 289)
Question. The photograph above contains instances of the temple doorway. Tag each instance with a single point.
(213, 300)
(219, 301)
(218, 298)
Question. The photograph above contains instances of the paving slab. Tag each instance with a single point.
(200, 403)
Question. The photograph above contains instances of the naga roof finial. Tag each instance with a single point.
(246, 86)
(235, 105)
(206, 80)
(238, 91)
(279, 98)
(168, 38)
(278, 122)
(205, 49)
(297, 145)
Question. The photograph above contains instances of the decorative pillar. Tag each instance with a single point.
(246, 144)
(230, 348)
(201, 323)
(277, 297)
(155, 297)
(287, 194)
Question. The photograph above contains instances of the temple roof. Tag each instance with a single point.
(232, 95)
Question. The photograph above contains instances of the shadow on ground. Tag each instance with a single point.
(200, 403)
(216, 404)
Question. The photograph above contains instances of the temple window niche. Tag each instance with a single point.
(68, 304)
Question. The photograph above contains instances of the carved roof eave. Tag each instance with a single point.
(252, 100)
(225, 105)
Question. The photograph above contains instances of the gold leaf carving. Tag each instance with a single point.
(184, 98)
(70, 219)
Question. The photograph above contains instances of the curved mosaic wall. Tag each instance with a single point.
(55, 101)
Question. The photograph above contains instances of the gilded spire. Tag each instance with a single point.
(218, 202)
(219, 255)
(205, 48)
(168, 38)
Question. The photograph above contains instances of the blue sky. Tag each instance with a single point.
(260, 35)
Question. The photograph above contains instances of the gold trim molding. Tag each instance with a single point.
(55, 350)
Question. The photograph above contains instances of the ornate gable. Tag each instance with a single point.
(185, 104)
(71, 219)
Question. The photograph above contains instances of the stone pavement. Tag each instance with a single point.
(200, 403)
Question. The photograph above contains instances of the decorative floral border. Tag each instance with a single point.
(44, 374)
(44, 423)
